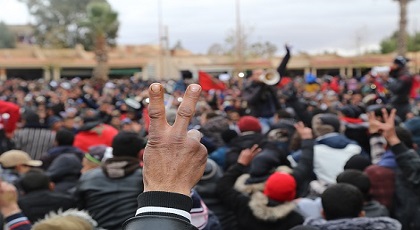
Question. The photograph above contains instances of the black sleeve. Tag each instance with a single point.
(252, 93)
(282, 67)
(304, 170)
(231, 198)
(161, 210)
(409, 163)
(401, 85)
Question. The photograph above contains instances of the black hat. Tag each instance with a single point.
(357, 162)
(351, 111)
(127, 144)
(401, 61)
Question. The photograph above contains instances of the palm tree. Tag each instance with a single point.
(101, 21)
(402, 33)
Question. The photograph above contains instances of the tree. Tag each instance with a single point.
(101, 22)
(56, 23)
(390, 44)
(248, 49)
(402, 33)
(7, 40)
(216, 49)
(262, 49)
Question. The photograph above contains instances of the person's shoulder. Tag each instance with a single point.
(92, 174)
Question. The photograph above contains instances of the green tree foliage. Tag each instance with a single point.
(7, 40)
(101, 22)
(389, 45)
(56, 23)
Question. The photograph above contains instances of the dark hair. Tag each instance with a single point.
(127, 144)
(357, 179)
(210, 115)
(64, 137)
(342, 201)
(405, 136)
(228, 135)
(283, 114)
(34, 180)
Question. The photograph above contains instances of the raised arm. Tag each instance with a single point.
(174, 161)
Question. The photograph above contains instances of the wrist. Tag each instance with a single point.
(308, 137)
(180, 190)
(394, 140)
(10, 210)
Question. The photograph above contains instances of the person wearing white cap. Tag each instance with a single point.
(16, 163)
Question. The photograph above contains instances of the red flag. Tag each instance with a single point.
(9, 116)
(208, 82)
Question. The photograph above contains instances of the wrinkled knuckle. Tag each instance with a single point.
(156, 113)
(185, 112)
(177, 139)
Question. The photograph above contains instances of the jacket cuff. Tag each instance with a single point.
(164, 204)
(307, 143)
(399, 148)
(17, 220)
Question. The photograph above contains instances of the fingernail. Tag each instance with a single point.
(195, 88)
(156, 87)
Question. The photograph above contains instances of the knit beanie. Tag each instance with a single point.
(280, 187)
(263, 165)
(127, 144)
(228, 135)
(401, 61)
(357, 162)
(325, 123)
(249, 124)
(351, 111)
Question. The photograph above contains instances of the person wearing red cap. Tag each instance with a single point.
(274, 206)
(250, 134)
(9, 116)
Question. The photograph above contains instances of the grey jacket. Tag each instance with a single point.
(361, 223)
(109, 201)
(407, 187)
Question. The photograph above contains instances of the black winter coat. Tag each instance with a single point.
(256, 211)
(240, 143)
(36, 205)
(407, 187)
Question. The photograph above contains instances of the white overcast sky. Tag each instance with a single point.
(309, 25)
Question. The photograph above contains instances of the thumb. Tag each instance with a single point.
(195, 134)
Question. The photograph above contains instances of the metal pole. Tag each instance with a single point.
(161, 50)
(238, 37)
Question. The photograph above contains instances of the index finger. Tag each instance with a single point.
(187, 108)
(156, 109)
(299, 125)
(392, 116)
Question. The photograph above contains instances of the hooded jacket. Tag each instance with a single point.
(407, 187)
(256, 211)
(110, 193)
(361, 223)
(53, 153)
(240, 143)
(65, 172)
(331, 152)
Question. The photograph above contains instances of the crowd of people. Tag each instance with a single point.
(326, 152)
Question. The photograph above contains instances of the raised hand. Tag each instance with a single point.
(8, 199)
(174, 158)
(386, 128)
(305, 133)
(247, 155)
